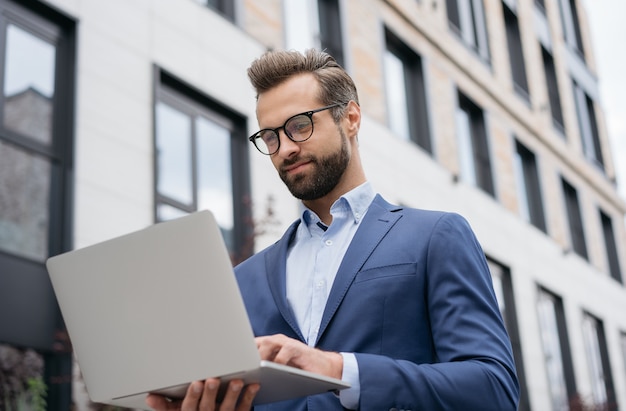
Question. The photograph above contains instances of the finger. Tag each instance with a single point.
(269, 346)
(245, 403)
(209, 395)
(192, 397)
(231, 395)
(160, 403)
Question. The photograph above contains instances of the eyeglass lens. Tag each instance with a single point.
(298, 128)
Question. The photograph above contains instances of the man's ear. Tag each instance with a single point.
(353, 118)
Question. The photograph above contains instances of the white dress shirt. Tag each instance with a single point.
(312, 263)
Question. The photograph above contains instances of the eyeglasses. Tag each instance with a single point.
(298, 128)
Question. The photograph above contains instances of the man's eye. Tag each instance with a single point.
(267, 136)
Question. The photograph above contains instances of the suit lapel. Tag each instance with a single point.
(378, 221)
(275, 270)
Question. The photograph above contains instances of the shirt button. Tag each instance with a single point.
(329, 242)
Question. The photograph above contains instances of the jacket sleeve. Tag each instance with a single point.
(473, 368)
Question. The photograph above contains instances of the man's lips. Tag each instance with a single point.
(294, 168)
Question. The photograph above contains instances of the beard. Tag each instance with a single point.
(325, 176)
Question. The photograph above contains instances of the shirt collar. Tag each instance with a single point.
(356, 202)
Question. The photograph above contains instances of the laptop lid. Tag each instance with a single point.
(157, 309)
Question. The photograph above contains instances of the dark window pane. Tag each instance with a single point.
(215, 183)
(553, 90)
(28, 84)
(473, 146)
(202, 162)
(516, 53)
(330, 29)
(602, 389)
(467, 20)
(577, 232)
(24, 203)
(611, 247)
(173, 140)
(406, 93)
(529, 191)
(556, 349)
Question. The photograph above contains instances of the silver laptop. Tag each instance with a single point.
(156, 309)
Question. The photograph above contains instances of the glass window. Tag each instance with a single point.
(467, 19)
(602, 390)
(516, 52)
(314, 24)
(474, 158)
(201, 162)
(215, 183)
(571, 26)
(553, 90)
(574, 217)
(28, 84)
(224, 7)
(36, 143)
(529, 190)
(541, 5)
(406, 94)
(503, 287)
(330, 29)
(622, 340)
(396, 96)
(173, 140)
(27, 145)
(610, 246)
(555, 345)
(24, 203)
(588, 126)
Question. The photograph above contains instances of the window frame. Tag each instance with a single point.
(517, 61)
(566, 364)
(554, 95)
(528, 180)
(610, 245)
(225, 8)
(171, 90)
(588, 126)
(483, 176)
(330, 29)
(501, 275)
(319, 27)
(599, 364)
(575, 219)
(467, 19)
(415, 91)
(26, 281)
(571, 27)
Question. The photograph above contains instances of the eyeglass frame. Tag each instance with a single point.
(276, 130)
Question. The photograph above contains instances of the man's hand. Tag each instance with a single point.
(202, 396)
(284, 350)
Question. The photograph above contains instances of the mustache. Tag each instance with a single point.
(291, 161)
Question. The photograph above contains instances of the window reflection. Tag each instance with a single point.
(24, 203)
(467, 168)
(173, 141)
(215, 184)
(397, 105)
(28, 84)
(591, 332)
(546, 308)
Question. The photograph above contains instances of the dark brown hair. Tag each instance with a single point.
(274, 67)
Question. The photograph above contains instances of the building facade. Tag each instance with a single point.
(115, 115)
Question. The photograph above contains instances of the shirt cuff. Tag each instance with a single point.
(349, 397)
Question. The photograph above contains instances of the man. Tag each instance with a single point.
(396, 301)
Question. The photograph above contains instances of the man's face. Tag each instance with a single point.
(310, 169)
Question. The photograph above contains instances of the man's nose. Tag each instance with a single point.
(287, 146)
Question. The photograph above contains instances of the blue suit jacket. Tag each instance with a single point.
(413, 299)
